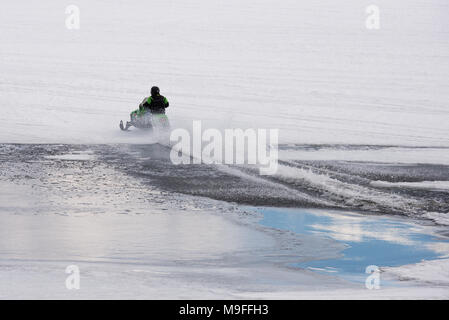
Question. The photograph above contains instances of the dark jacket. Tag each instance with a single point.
(156, 104)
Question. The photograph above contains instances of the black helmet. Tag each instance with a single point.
(154, 91)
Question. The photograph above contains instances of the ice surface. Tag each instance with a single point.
(431, 185)
(131, 240)
(120, 221)
(385, 154)
(428, 272)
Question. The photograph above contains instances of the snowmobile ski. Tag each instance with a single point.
(126, 128)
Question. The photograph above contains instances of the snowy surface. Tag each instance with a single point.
(311, 69)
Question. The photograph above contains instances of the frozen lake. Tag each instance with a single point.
(124, 216)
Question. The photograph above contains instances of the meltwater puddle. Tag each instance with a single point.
(370, 240)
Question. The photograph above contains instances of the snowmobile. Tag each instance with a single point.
(147, 121)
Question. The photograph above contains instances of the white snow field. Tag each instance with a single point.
(309, 68)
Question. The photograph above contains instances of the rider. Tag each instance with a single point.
(156, 103)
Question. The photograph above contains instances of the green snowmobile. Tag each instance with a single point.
(151, 113)
(146, 120)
